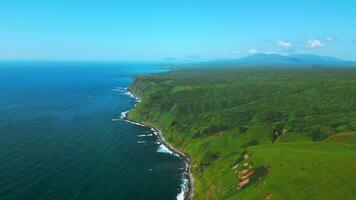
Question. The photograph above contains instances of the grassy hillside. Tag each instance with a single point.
(258, 133)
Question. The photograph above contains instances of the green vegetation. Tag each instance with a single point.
(258, 133)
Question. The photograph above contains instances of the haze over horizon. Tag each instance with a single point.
(127, 30)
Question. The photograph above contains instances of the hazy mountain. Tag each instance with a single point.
(276, 60)
(186, 59)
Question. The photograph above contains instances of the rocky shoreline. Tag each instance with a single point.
(188, 194)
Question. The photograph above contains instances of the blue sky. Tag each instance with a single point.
(158, 29)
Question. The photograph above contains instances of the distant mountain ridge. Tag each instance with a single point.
(276, 60)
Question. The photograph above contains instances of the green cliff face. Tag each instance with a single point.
(258, 133)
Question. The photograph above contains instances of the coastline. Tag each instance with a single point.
(188, 195)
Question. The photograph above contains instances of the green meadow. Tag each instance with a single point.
(258, 133)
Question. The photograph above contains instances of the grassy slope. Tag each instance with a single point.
(296, 126)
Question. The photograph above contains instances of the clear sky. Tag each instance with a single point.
(158, 29)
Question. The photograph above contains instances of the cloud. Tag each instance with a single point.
(313, 44)
(330, 38)
(252, 51)
(284, 44)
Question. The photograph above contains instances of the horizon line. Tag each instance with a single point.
(166, 60)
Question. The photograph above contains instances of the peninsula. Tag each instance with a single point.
(254, 133)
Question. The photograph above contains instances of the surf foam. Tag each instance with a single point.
(145, 135)
(119, 89)
(128, 93)
(184, 184)
(164, 149)
(123, 114)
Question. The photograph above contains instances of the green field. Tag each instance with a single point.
(258, 133)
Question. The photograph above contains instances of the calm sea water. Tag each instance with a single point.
(61, 136)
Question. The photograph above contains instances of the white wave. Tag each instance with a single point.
(155, 132)
(181, 195)
(128, 93)
(184, 189)
(138, 124)
(123, 114)
(164, 149)
(119, 89)
(114, 120)
(125, 91)
(184, 184)
(145, 135)
(141, 142)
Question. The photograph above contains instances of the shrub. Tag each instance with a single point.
(318, 135)
(250, 143)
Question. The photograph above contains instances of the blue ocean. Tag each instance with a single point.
(62, 138)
